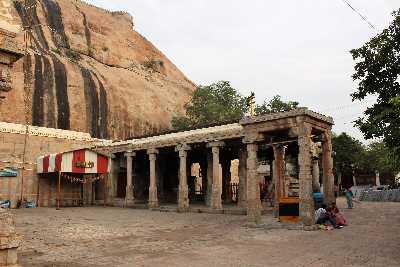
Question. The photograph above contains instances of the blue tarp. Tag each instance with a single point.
(9, 172)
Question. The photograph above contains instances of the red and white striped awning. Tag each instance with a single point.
(79, 161)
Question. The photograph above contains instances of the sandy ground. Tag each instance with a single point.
(125, 237)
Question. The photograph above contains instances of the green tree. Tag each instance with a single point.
(348, 152)
(276, 105)
(378, 157)
(216, 103)
(220, 103)
(377, 71)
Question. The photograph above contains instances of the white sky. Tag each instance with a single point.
(298, 49)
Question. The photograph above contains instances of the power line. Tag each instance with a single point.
(361, 15)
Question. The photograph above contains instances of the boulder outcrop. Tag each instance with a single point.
(88, 70)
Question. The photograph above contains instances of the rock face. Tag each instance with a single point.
(88, 70)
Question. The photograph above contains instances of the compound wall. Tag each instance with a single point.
(39, 141)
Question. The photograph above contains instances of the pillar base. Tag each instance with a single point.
(129, 203)
(183, 200)
(254, 211)
(242, 203)
(153, 205)
(216, 203)
(307, 214)
(129, 199)
(153, 198)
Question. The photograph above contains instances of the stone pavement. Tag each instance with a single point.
(126, 237)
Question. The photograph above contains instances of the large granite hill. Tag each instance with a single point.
(89, 70)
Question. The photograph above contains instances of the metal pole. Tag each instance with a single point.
(38, 192)
(104, 190)
(59, 190)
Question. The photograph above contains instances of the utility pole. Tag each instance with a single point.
(29, 6)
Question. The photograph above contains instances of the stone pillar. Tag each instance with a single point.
(183, 194)
(327, 164)
(209, 178)
(9, 240)
(377, 178)
(129, 196)
(305, 176)
(216, 201)
(113, 178)
(278, 175)
(315, 173)
(242, 201)
(153, 195)
(253, 185)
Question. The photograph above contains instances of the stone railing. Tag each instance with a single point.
(381, 196)
(359, 190)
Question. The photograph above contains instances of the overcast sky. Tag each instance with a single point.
(298, 49)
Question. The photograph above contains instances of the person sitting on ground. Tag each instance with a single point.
(325, 216)
(320, 212)
(340, 219)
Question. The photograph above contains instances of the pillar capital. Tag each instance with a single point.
(152, 151)
(182, 153)
(278, 147)
(182, 147)
(130, 154)
(253, 137)
(215, 144)
(327, 136)
(152, 157)
(215, 150)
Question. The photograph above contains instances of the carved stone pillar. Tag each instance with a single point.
(216, 201)
(183, 194)
(315, 173)
(327, 164)
(209, 178)
(253, 185)
(305, 176)
(129, 196)
(9, 240)
(242, 201)
(113, 178)
(279, 170)
(153, 195)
